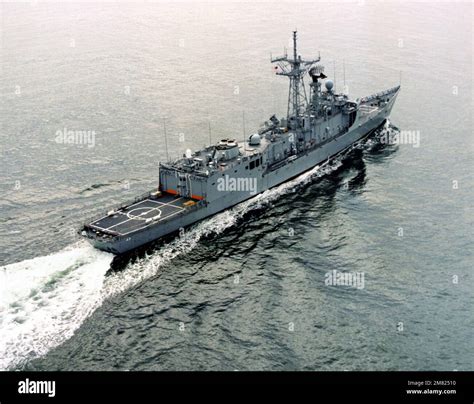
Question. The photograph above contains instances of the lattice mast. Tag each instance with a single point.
(294, 69)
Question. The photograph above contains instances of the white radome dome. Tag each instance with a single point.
(255, 139)
(329, 85)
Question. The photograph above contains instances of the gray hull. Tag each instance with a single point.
(363, 125)
(222, 175)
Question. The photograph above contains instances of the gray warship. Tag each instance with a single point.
(319, 125)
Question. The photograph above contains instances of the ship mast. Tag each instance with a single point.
(294, 69)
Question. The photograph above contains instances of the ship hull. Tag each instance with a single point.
(360, 129)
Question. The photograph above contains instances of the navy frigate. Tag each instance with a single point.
(320, 124)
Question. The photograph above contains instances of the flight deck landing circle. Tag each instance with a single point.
(144, 213)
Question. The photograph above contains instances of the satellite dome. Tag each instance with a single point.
(254, 139)
(329, 85)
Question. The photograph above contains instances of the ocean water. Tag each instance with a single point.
(244, 290)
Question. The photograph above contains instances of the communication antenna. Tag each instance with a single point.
(294, 67)
(400, 83)
(243, 124)
(210, 135)
(335, 91)
(166, 139)
(344, 73)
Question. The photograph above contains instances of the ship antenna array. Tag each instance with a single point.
(243, 125)
(166, 140)
(294, 68)
(210, 134)
(344, 74)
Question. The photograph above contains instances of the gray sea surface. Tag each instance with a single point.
(247, 289)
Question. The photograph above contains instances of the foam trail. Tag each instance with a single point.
(45, 299)
(147, 267)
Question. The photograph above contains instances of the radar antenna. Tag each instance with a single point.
(294, 69)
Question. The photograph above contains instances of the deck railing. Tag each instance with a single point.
(380, 94)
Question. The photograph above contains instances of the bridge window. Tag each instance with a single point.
(252, 164)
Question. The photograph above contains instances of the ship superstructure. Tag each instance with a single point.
(319, 124)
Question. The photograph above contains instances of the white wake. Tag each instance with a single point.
(45, 299)
(148, 266)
